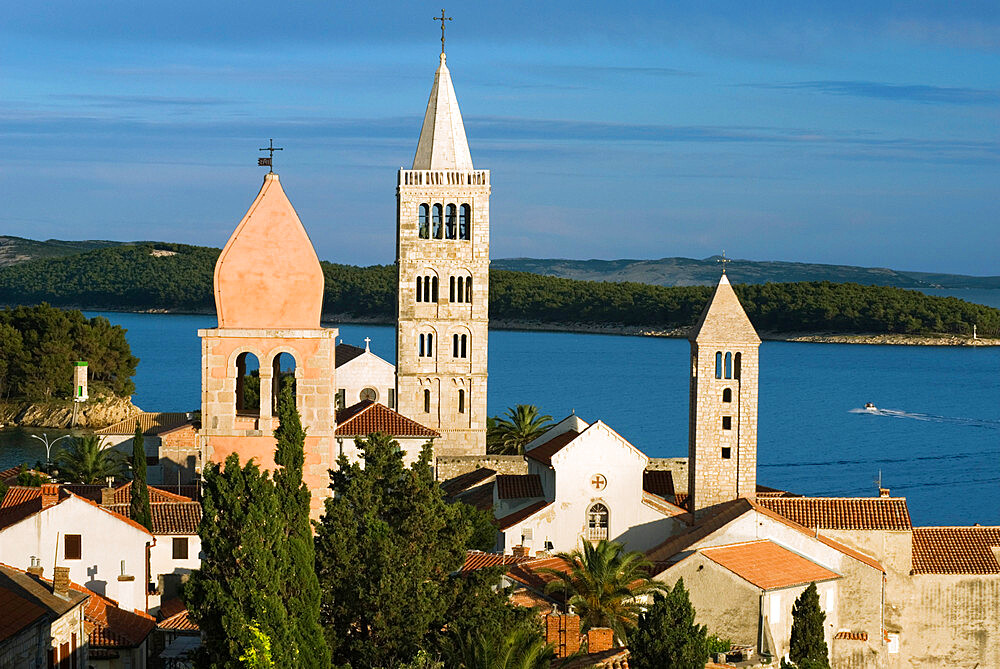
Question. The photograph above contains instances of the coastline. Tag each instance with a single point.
(866, 338)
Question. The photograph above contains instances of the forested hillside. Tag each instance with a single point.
(147, 276)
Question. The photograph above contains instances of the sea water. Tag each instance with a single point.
(934, 439)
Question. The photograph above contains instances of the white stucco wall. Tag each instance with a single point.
(162, 562)
(366, 371)
(105, 542)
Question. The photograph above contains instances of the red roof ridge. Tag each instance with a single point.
(381, 419)
(107, 511)
(521, 515)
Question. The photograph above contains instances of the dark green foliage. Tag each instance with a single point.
(519, 647)
(129, 277)
(39, 344)
(236, 595)
(667, 636)
(718, 645)
(509, 434)
(298, 585)
(807, 649)
(87, 460)
(28, 478)
(139, 508)
(387, 549)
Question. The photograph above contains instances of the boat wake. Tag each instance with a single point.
(930, 418)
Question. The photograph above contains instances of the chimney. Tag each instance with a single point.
(520, 551)
(107, 496)
(563, 632)
(50, 494)
(60, 582)
(883, 492)
(600, 639)
(126, 590)
(36, 567)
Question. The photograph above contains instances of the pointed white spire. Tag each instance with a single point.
(724, 319)
(443, 145)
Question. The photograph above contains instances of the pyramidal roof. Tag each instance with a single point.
(443, 144)
(723, 319)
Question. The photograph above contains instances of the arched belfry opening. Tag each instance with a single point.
(247, 385)
(282, 376)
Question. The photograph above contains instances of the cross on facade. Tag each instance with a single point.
(598, 481)
(367, 341)
(723, 261)
(269, 161)
(442, 19)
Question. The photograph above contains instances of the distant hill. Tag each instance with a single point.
(692, 272)
(14, 250)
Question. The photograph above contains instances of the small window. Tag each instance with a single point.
(450, 226)
(152, 460)
(718, 365)
(438, 228)
(368, 394)
(727, 452)
(727, 422)
(464, 342)
(180, 548)
(461, 291)
(434, 289)
(420, 295)
(729, 365)
(423, 222)
(421, 348)
(468, 289)
(341, 398)
(461, 400)
(427, 289)
(392, 398)
(737, 363)
(451, 289)
(464, 219)
(427, 401)
(727, 395)
(454, 346)
(73, 547)
(597, 522)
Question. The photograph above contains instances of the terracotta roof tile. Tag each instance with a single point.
(767, 565)
(19, 503)
(18, 613)
(344, 353)
(112, 627)
(513, 519)
(179, 622)
(25, 598)
(477, 560)
(152, 423)
(851, 636)
(519, 486)
(170, 607)
(726, 513)
(168, 517)
(956, 550)
(659, 482)
(457, 484)
(8, 476)
(661, 505)
(545, 450)
(843, 513)
(367, 417)
(606, 659)
(480, 496)
(533, 575)
(122, 494)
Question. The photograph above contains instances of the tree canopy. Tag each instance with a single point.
(807, 649)
(509, 434)
(139, 509)
(667, 636)
(88, 460)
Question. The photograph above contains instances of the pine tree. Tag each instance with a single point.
(235, 596)
(667, 636)
(299, 585)
(807, 649)
(139, 509)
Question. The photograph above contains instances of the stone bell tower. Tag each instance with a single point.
(722, 442)
(443, 258)
(268, 297)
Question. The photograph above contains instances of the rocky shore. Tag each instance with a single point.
(93, 414)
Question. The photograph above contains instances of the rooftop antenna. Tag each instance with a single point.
(269, 161)
(878, 481)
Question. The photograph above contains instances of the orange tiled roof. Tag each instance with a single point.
(659, 482)
(8, 476)
(851, 636)
(767, 565)
(843, 513)
(122, 494)
(519, 486)
(25, 598)
(956, 550)
(168, 517)
(19, 503)
(477, 560)
(612, 658)
(152, 423)
(111, 627)
(367, 417)
(545, 450)
(661, 505)
(532, 573)
(179, 622)
(462, 482)
(523, 514)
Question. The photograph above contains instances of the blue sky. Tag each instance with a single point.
(852, 132)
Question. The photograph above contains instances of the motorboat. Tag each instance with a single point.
(871, 408)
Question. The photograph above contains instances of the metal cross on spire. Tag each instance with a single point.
(269, 161)
(442, 19)
(723, 261)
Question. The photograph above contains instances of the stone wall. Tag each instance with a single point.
(450, 466)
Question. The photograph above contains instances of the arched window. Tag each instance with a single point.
(427, 401)
(247, 384)
(424, 228)
(727, 395)
(718, 365)
(438, 230)
(434, 289)
(464, 219)
(420, 351)
(427, 289)
(597, 522)
(454, 346)
(461, 290)
(420, 296)
(449, 222)
(461, 400)
(729, 365)
(468, 289)
(451, 289)
(282, 375)
(737, 363)
(426, 346)
(464, 338)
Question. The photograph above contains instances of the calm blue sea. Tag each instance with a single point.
(936, 439)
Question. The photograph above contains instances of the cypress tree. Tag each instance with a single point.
(139, 509)
(807, 649)
(667, 636)
(298, 584)
(235, 597)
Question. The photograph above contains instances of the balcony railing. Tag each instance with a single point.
(444, 178)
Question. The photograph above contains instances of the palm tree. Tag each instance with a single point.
(603, 585)
(519, 647)
(509, 435)
(87, 460)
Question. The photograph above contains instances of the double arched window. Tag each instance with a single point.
(425, 345)
(444, 221)
(437, 228)
(460, 289)
(597, 522)
(728, 365)
(450, 222)
(427, 288)
(464, 221)
(423, 222)
(459, 346)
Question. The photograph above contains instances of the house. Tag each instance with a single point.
(169, 439)
(362, 375)
(367, 417)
